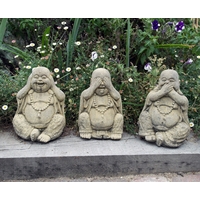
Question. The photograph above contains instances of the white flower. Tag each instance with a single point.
(42, 51)
(28, 67)
(148, 67)
(94, 55)
(198, 57)
(54, 44)
(47, 34)
(63, 23)
(130, 80)
(58, 76)
(70, 101)
(56, 70)
(4, 107)
(27, 46)
(114, 47)
(68, 69)
(60, 43)
(176, 56)
(78, 68)
(65, 28)
(87, 65)
(191, 124)
(31, 44)
(102, 56)
(78, 43)
(16, 56)
(109, 49)
(71, 89)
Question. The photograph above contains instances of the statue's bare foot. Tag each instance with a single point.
(150, 138)
(86, 135)
(159, 139)
(116, 136)
(43, 138)
(34, 134)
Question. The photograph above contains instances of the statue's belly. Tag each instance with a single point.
(40, 119)
(102, 121)
(167, 120)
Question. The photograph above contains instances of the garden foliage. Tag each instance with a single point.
(135, 51)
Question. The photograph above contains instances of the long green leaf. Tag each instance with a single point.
(128, 43)
(15, 51)
(45, 37)
(72, 38)
(174, 46)
(3, 29)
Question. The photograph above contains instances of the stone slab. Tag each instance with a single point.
(72, 156)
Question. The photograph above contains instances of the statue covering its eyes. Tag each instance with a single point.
(100, 112)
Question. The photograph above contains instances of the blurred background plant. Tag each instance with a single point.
(135, 51)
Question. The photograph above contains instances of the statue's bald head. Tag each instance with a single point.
(41, 70)
(101, 72)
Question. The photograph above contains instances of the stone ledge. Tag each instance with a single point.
(72, 156)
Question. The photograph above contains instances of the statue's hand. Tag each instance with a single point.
(166, 88)
(29, 81)
(52, 82)
(107, 83)
(96, 83)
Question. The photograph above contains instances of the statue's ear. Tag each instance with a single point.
(33, 69)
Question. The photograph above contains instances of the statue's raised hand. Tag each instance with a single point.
(107, 83)
(96, 83)
(166, 88)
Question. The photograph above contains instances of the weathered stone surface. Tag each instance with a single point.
(72, 156)
(164, 118)
(100, 112)
(40, 114)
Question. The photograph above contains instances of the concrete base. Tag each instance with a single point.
(72, 156)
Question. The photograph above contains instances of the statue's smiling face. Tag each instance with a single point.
(40, 81)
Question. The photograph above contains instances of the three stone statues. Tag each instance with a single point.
(40, 114)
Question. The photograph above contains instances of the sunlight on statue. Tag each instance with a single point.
(40, 114)
(164, 118)
(100, 112)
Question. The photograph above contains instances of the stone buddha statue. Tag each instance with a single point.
(40, 113)
(100, 112)
(164, 118)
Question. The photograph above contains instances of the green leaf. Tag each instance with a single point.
(128, 43)
(3, 29)
(174, 46)
(45, 38)
(72, 38)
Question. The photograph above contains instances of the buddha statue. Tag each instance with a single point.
(164, 118)
(40, 113)
(100, 112)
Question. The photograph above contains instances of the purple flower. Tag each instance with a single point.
(148, 67)
(179, 26)
(155, 25)
(189, 61)
(170, 23)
